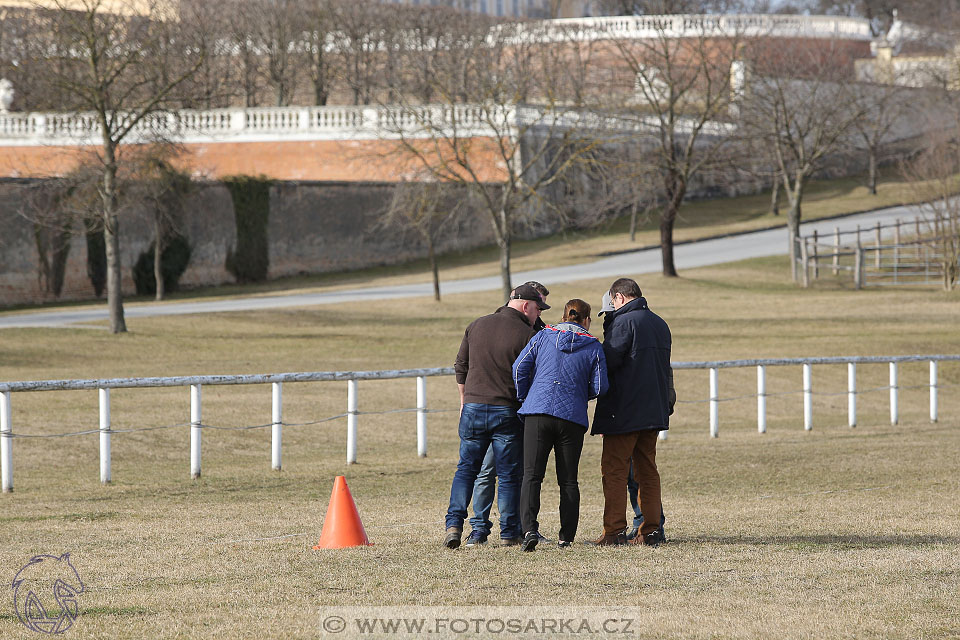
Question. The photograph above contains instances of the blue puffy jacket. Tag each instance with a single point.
(560, 369)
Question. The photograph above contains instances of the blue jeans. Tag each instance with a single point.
(483, 491)
(483, 426)
(633, 490)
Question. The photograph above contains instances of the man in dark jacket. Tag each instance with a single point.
(486, 484)
(488, 410)
(637, 347)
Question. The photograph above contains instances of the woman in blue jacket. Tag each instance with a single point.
(560, 369)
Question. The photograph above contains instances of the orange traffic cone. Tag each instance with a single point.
(342, 526)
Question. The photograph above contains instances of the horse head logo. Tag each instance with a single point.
(45, 593)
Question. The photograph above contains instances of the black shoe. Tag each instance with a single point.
(563, 544)
(452, 540)
(654, 538)
(543, 540)
(530, 541)
(476, 538)
(633, 533)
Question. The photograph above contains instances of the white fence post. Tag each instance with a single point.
(196, 418)
(351, 421)
(894, 393)
(6, 443)
(714, 403)
(422, 416)
(761, 399)
(933, 391)
(105, 474)
(807, 398)
(852, 394)
(276, 437)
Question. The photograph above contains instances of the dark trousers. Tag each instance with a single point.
(541, 434)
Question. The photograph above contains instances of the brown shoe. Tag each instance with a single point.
(615, 540)
(452, 539)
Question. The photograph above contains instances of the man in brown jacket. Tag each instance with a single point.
(488, 410)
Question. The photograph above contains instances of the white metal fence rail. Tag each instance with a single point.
(196, 383)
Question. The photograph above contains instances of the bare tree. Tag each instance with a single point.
(243, 48)
(678, 107)
(318, 17)
(278, 32)
(155, 183)
(934, 175)
(798, 103)
(42, 205)
(884, 108)
(506, 124)
(358, 40)
(427, 208)
(117, 70)
(662, 7)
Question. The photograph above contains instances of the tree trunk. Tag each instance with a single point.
(158, 255)
(872, 170)
(111, 236)
(433, 268)
(505, 267)
(633, 221)
(676, 189)
(793, 223)
(667, 219)
(775, 196)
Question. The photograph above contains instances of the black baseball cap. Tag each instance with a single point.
(526, 292)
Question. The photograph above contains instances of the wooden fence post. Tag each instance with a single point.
(836, 250)
(933, 391)
(6, 443)
(894, 395)
(422, 416)
(196, 419)
(816, 257)
(351, 421)
(105, 471)
(761, 399)
(896, 249)
(276, 430)
(879, 240)
(858, 267)
(714, 403)
(852, 394)
(805, 273)
(918, 239)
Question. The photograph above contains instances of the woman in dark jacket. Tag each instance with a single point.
(560, 369)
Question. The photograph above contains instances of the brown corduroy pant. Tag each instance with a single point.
(617, 451)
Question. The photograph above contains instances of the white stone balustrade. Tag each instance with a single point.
(257, 124)
(687, 26)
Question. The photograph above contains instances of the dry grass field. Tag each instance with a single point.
(835, 533)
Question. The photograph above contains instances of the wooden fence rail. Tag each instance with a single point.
(276, 381)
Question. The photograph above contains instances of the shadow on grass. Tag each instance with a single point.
(812, 542)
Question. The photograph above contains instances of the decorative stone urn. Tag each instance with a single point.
(6, 95)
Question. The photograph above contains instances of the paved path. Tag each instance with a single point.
(687, 256)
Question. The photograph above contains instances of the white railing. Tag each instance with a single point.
(686, 26)
(276, 381)
(253, 124)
